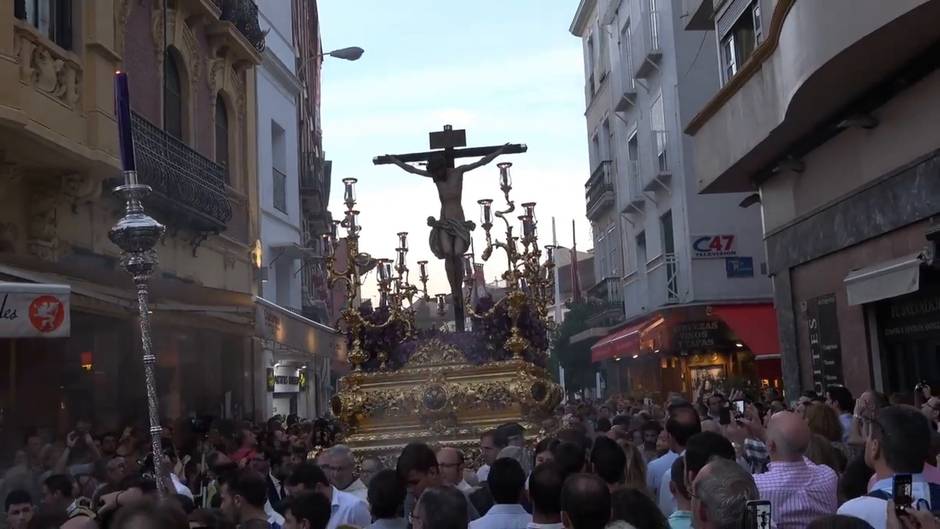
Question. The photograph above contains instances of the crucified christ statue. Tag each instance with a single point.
(450, 233)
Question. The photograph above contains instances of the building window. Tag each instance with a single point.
(279, 167)
(595, 153)
(173, 98)
(221, 135)
(758, 25)
(626, 61)
(740, 41)
(591, 65)
(669, 244)
(613, 261)
(641, 251)
(728, 57)
(53, 18)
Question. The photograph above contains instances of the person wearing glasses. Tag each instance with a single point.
(340, 468)
(451, 462)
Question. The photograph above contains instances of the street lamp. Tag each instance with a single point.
(347, 54)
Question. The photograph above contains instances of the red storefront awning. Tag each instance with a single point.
(620, 343)
(754, 324)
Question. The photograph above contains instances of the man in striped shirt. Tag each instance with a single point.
(799, 490)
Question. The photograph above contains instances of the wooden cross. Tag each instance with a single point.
(446, 142)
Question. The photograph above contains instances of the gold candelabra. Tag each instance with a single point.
(394, 290)
(527, 278)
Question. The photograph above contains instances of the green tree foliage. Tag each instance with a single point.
(576, 358)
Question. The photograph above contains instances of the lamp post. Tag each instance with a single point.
(352, 53)
(136, 233)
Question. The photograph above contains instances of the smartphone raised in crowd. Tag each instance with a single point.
(902, 491)
(739, 406)
(724, 416)
(757, 514)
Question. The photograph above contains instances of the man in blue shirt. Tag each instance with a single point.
(682, 424)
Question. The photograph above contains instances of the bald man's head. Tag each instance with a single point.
(788, 436)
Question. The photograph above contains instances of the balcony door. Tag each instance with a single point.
(172, 98)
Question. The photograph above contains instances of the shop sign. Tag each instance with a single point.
(913, 316)
(714, 246)
(736, 267)
(825, 348)
(34, 310)
(698, 335)
(286, 379)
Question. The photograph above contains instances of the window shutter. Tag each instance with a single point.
(732, 13)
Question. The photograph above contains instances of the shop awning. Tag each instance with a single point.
(884, 280)
(619, 343)
(755, 324)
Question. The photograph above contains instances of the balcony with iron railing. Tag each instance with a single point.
(599, 189)
(609, 291)
(243, 14)
(648, 44)
(188, 188)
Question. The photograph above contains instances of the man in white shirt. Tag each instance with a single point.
(451, 462)
(339, 466)
(489, 451)
(506, 481)
(682, 424)
(898, 443)
(545, 486)
(345, 508)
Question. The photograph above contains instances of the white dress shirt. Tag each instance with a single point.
(503, 516)
(180, 488)
(347, 509)
(273, 516)
(358, 489)
(483, 473)
(465, 487)
(534, 525)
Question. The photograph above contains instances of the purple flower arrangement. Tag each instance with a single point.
(481, 345)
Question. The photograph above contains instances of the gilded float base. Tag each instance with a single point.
(439, 398)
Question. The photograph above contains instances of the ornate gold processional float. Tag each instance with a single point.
(431, 385)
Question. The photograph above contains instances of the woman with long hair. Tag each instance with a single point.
(635, 469)
(822, 420)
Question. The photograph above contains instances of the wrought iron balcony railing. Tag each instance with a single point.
(187, 186)
(244, 15)
(599, 189)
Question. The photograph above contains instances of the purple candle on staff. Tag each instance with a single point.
(122, 110)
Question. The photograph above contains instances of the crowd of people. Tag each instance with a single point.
(722, 461)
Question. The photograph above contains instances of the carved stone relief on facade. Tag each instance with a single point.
(122, 11)
(42, 225)
(46, 67)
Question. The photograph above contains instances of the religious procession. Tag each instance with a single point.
(202, 327)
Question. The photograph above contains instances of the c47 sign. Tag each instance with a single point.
(713, 246)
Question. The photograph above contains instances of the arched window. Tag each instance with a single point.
(173, 98)
(221, 135)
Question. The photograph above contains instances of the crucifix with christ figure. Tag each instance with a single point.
(450, 234)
